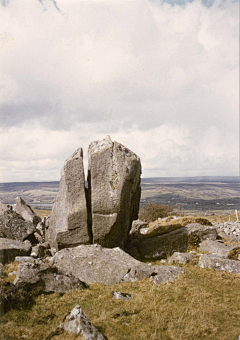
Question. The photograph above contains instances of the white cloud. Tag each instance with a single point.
(161, 79)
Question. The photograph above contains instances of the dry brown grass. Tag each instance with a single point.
(42, 213)
(201, 304)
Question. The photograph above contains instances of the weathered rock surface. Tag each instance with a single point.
(26, 211)
(68, 226)
(137, 225)
(45, 278)
(13, 226)
(219, 263)
(24, 259)
(76, 322)
(114, 184)
(93, 263)
(216, 248)
(166, 273)
(1, 268)
(9, 249)
(179, 240)
(228, 230)
(181, 258)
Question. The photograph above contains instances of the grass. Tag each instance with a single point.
(201, 304)
(42, 213)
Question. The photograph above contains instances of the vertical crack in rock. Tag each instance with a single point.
(103, 211)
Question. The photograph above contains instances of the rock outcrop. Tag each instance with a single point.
(43, 278)
(14, 226)
(26, 211)
(180, 240)
(93, 263)
(114, 182)
(9, 249)
(219, 263)
(68, 226)
(216, 248)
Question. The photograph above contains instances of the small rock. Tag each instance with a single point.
(165, 273)
(137, 225)
(38, 251)
(77, 322)
(12, 273)
(181, 258)
(38, 237)
(121, 296)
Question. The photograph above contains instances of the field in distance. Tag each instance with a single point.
(188, 194)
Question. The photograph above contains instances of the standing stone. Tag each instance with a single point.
(114, 191)
(68, 226)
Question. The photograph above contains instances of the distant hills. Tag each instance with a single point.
(185, 193)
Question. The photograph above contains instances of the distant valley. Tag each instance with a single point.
(187, 194)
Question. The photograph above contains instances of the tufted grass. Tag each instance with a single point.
(200, 304)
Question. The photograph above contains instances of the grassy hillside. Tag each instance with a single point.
(200, 304)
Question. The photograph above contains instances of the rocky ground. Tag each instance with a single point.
(92, 238)
(41, 269)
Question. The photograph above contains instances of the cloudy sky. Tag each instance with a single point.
(160, 77)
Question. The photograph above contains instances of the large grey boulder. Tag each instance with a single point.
(216, 248)
(9, 249)
(44, 278)
(26, 211)
(114, 183)
(219, 263)
(68, 226)
(93, 263)
(13, 226)
(179, 240)
(76, 322)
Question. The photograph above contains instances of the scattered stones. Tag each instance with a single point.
(181, 258)
(9, 249)
(215, 247)
(42, 277)
(121, 296)
(76, 322)
(68, 226)
(218, 263)
(26, 211)
(114, 191)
